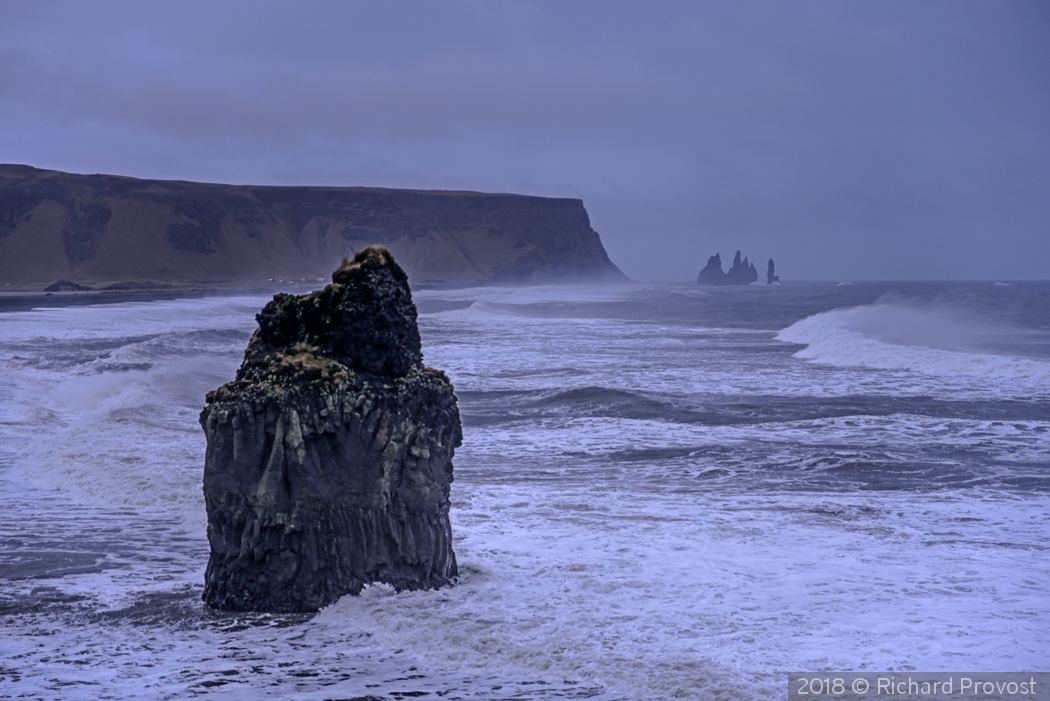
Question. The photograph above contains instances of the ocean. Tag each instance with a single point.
(663, 492)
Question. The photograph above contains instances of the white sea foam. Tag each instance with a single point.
(931, 341)
(533, 294)
(114, 424)
(643, 578)
(667, 596)
(108, 320)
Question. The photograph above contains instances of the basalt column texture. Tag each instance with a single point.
(329, 458)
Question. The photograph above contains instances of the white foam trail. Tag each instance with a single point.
(109, 320)
(534, 294)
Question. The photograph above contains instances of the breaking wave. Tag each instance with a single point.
(933, 341)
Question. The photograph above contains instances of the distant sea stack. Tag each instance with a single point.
(329, 457)
(97, 230)
(771, 275)
(712, 274)
(742, 272)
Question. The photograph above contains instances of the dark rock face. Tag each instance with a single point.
(329, 458)
(712, 273)
(65, 286)
(366, 320)
(742, 272)
(771, 275)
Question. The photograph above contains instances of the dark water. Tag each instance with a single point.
(664, 492)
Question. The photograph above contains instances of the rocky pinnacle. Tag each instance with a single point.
(329, 457)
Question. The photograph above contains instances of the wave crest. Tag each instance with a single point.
(932, 341)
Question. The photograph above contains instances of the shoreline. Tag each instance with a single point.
(28, 301)
(23, 299)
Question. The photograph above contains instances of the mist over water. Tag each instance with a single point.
(662, 493)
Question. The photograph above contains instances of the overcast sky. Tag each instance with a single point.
(846, 140)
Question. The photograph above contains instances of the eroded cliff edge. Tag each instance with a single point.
(99, 229)
(329, 458)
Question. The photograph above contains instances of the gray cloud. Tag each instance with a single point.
(846, 140)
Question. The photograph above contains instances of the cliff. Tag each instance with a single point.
(96, 230)
(329, 457)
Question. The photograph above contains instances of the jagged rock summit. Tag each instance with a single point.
(742, 272)
(329, 457)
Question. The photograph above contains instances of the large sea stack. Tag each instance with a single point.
(329, 458)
